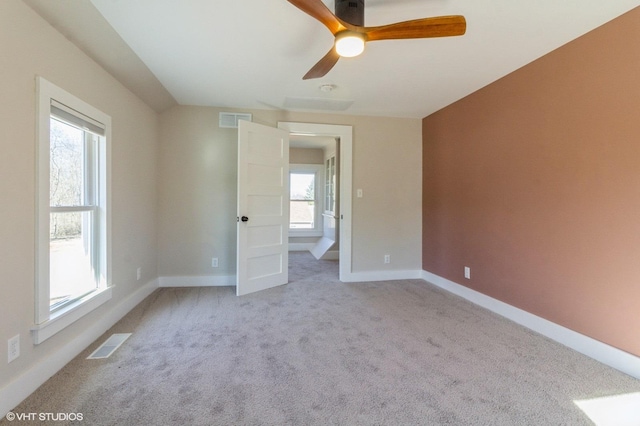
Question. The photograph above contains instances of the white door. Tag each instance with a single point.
(263, 213)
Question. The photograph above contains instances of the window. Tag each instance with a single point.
(73, 216)
(305, 191)
(330, 185)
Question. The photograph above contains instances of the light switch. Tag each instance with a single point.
(359, 193)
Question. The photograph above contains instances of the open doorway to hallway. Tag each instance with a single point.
(314, 206)
(343, 135)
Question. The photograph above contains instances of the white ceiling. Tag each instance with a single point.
(253, 53)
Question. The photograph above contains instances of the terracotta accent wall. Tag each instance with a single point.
(534, 183)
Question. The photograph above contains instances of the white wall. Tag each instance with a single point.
(30, 47)
(306, 156)
(197, 198)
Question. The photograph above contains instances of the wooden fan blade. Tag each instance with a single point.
(317, 9)
(441, 26)
(323, 66)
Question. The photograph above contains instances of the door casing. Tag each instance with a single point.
(345, 134)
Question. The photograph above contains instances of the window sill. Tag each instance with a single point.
(69, 314)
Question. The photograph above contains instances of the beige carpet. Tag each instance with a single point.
(320, 352)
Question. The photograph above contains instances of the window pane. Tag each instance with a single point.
(301, 215)
(67, 165)
(302, 186)
(70, 251)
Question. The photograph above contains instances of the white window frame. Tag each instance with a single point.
(318, 171)
(47, 321)
(329, 202)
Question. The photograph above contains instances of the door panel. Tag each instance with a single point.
(263, 194)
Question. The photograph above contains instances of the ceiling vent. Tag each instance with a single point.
(229, 120)
(324, 104)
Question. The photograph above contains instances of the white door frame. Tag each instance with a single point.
(345, 134)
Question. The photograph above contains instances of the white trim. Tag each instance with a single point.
(47, 322)
(345, 133)
(305, 233)
(608, 355)
(198, 281)
(301, 246)
(24, 385)
(365, 276)
(69, 314)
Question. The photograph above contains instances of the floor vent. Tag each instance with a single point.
(230, 120)
(109, 346)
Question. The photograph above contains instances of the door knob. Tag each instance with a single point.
(244, 219)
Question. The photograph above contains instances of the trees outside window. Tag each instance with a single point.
(305, 195)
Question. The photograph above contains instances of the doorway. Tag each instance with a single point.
(313, 207)
(342, 204)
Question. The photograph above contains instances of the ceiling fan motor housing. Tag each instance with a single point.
(351, 11)
(347, 26)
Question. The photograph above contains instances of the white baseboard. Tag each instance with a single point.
(20, 388)
(608, 355)
(408, 274)
(301, 246)
(199, 281)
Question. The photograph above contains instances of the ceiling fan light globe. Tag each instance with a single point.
(350, 45)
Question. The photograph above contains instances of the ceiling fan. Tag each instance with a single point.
(347, 25)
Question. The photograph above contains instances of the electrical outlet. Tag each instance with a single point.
(467, 272)
(139, 273)
(14, 348)
(214, 262)
(387, 258)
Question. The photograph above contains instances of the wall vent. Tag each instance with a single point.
(229, 120)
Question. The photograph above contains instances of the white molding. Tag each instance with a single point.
(345, 133)
(293, 233)
(69, 314)
(24, 385)
(46, 93)
(198, 281)
(407, 274)
(608, 355)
